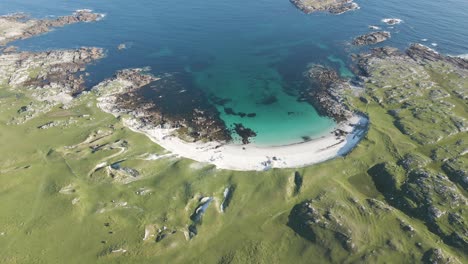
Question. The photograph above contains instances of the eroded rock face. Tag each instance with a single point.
(371, 38)
(324, 92)
(20, 26)
(331, 6)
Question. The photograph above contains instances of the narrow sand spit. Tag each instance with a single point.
(258, 158)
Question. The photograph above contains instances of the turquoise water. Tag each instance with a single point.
(251, 52)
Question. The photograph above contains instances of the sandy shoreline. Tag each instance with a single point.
(251, 157)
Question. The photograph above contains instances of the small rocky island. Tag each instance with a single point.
(331, 6)
(371, 38)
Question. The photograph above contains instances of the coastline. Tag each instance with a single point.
(251, 157)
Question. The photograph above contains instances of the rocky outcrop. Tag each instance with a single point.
(51, 74)
(324, 92)
(427, 195)
(244, 132)
(20, 26)
(414, 87)
(170, 102)
(309, 220)
(423, 91)
(371, 38)
(331, 6)
(422, 53)
(437, 256)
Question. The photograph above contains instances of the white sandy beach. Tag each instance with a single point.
(251, 157)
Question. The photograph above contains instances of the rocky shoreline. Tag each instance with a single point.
(332, 6)
(371, 38)
(325, 92)
(164, 102)
(20, 26)
(50, 74)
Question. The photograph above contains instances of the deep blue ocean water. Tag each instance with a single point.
(248, 51)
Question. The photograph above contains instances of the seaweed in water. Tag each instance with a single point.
(244, 133)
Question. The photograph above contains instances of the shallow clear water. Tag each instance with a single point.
(248, 51)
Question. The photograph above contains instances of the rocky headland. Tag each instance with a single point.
(325, 92)
(371, 38)
(331, 6)
(20, 26)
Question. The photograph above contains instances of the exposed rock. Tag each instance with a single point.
(19, 26)
(409, 84)
(169, 102)
(52, 75)
(457, 170)
(420, 52)
(413, 161)
(371, 38)
(10, 49)
(392, 21)
(200, 210)
(325, 92)
(331, 6)
(228, 194)
(197, 215)
(244, 132)
(436, 256)
(317, 225)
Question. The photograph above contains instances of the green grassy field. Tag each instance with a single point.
(61, 201)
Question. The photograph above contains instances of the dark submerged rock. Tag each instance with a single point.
(162, 102)
(244, 133)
